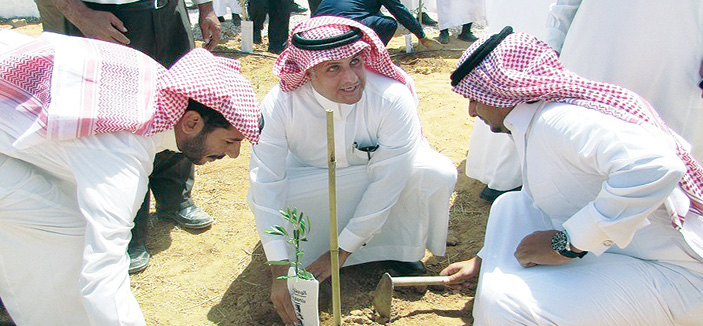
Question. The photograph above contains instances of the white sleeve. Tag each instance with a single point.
(389, 168)
(561, 14)
(268, 182)
(111, 173)
(640, 171)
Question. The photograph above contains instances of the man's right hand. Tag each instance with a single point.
(460, 272)
(280, 295)
(101, 25)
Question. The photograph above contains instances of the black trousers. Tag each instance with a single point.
(312, 4)
(165, 35)
(279, 17)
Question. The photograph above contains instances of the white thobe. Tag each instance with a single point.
(220, 7)
(492, 158)
(452, 13)
(654, 48)
(391, 203)
(66, 214)
(604, 181)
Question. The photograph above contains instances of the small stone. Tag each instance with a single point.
(452, 241)
(15, 23)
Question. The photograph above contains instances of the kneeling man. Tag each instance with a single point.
(589, 238)
(392, 189)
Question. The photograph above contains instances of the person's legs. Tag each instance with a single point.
(418, 221)
(312, 4)
(611, 289)
(279, 17)
(383, 26)
(258, 9)
(51, 18)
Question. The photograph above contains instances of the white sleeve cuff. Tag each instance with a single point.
(584, 233)
(350, 242)
(276, 250)
(199, 2)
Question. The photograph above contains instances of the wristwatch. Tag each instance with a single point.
(561, 244)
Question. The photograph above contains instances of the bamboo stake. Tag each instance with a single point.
(334, 246)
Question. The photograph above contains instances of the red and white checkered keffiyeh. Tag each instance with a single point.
(522, 69)
(293, 63)
(75, 87)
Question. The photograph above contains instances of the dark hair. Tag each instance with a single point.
(211, 118)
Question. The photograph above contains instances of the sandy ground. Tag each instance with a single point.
(218, 276)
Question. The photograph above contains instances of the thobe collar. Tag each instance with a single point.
(168, 141)
(341, 110)
(518, 121)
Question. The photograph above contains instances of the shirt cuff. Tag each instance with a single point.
(276, 250)
(199, 2)
(584, 233)
(349, 241)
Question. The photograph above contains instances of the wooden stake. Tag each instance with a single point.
(334, 246)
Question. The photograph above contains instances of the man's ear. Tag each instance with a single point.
(192, 123)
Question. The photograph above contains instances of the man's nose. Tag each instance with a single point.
(349, 76)
(472, 110)
(233, 150)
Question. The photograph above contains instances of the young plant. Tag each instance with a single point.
(300, 225)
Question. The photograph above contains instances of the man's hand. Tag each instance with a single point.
(101, 25)
(280, 295)
(460, 272)
(209, 25)
(322, 269)
(536, 249)
(429, 43)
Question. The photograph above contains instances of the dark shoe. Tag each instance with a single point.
(190, 217)
(491, 194)
(257, 37)
(444, 36)
(297, 9)
(470, 37)
(427, 20)
(405, 268)
(466, 34)
(5, 319)
(236, 20)
(138, 259)
(221, 19)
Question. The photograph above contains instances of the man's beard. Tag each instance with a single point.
(194, 148)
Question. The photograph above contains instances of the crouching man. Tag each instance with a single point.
(81, 122)
(392, 189)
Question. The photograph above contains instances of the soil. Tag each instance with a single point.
(218, 277)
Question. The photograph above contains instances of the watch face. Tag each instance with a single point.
(559, 241)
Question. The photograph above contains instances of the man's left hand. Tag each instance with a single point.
(209, 25)
(536, 249)
(322, 269)
(429, 43)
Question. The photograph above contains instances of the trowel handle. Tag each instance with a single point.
(419, 280)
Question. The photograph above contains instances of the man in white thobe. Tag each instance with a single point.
(392, 189)
(492, 159)
(81, 122)
(589, 239)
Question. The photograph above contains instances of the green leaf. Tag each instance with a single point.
(278, 262)
(274, 232)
